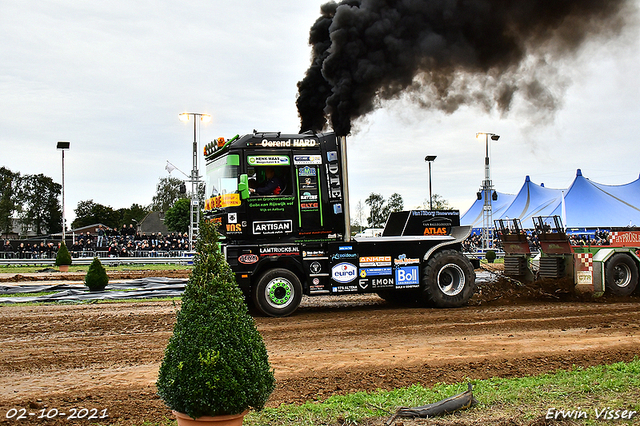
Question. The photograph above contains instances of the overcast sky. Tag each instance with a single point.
(112, 77)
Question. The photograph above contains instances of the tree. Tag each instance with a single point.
(167, 193)
(135, 213)
(357, 222)
(90, 213)
(379, 210)
(394, 204)
(40, 205)
(176, 218)
(9, 183)
(376, 217)
(439, 203)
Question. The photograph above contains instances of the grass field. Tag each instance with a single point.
(591, 396)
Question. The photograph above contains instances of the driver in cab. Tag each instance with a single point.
(273, 185)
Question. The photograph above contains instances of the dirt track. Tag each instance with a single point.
(106, 356)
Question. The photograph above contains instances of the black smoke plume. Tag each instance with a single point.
(443, 53)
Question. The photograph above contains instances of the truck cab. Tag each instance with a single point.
(281, 202)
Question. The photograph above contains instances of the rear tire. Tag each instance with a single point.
(278, 293)
(621, 275)
(449, 280)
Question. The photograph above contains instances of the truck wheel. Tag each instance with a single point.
(449, 280)
(621, 275)
(278, 293)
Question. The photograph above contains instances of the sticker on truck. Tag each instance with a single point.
(407, 276)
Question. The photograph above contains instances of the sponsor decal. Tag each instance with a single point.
(306, 206)
(382, 282)
(407, 276)
(435, 231)
(222, 201)
(368, 261)
(584, 277)
(344, 272)
(374, 272)
(363, 284)
(272, 227)
(404, 260)
(338, 256)
(315, 267)
(345, 289)
(268, 160)
(307, 196)
(313, 253)
(232, 218)
(345, 248)
(268, 251)
(234, 228)
(316, 281)
(248, 259)
(307, 159)
(307, 171)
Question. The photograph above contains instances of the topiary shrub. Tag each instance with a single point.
(96, 278)
(490, 255)
(63, 257)
(216, 362)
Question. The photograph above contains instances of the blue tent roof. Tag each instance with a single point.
(533, 200)
(586, 204)
(473, 216)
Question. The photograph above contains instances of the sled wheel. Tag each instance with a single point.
(449, 280)
(621, 275)
(278, 292)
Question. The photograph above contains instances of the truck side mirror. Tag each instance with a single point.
(243, 187)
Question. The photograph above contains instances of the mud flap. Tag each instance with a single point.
(461, 401)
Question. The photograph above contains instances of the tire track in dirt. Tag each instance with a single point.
(104, 355)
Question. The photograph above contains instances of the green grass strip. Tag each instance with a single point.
(589, 391)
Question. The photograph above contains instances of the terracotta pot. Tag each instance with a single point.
(230, 420)
(63, 268)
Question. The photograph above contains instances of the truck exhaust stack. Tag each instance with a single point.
(342, 140)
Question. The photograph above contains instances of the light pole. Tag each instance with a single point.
(429, 159)
(194, 210)
(487, 187)
(62, 146)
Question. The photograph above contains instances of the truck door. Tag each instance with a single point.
(309, 195)
(271, 206)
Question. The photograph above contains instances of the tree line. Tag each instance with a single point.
(380, 209)
(35, 200)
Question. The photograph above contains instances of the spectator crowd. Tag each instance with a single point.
(599, 238)
(105, 242)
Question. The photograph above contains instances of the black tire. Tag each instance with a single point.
(278, 293)
(449, 280)
(621, 275)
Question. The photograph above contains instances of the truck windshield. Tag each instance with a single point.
(222, 176)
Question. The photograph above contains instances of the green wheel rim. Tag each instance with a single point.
(279, 292)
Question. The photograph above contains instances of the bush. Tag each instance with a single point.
(63, 257)
(96, 278)
(216, 362)
(490, 255)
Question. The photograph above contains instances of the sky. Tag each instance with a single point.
(112, 77)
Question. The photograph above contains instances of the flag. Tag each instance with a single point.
(169, 167)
